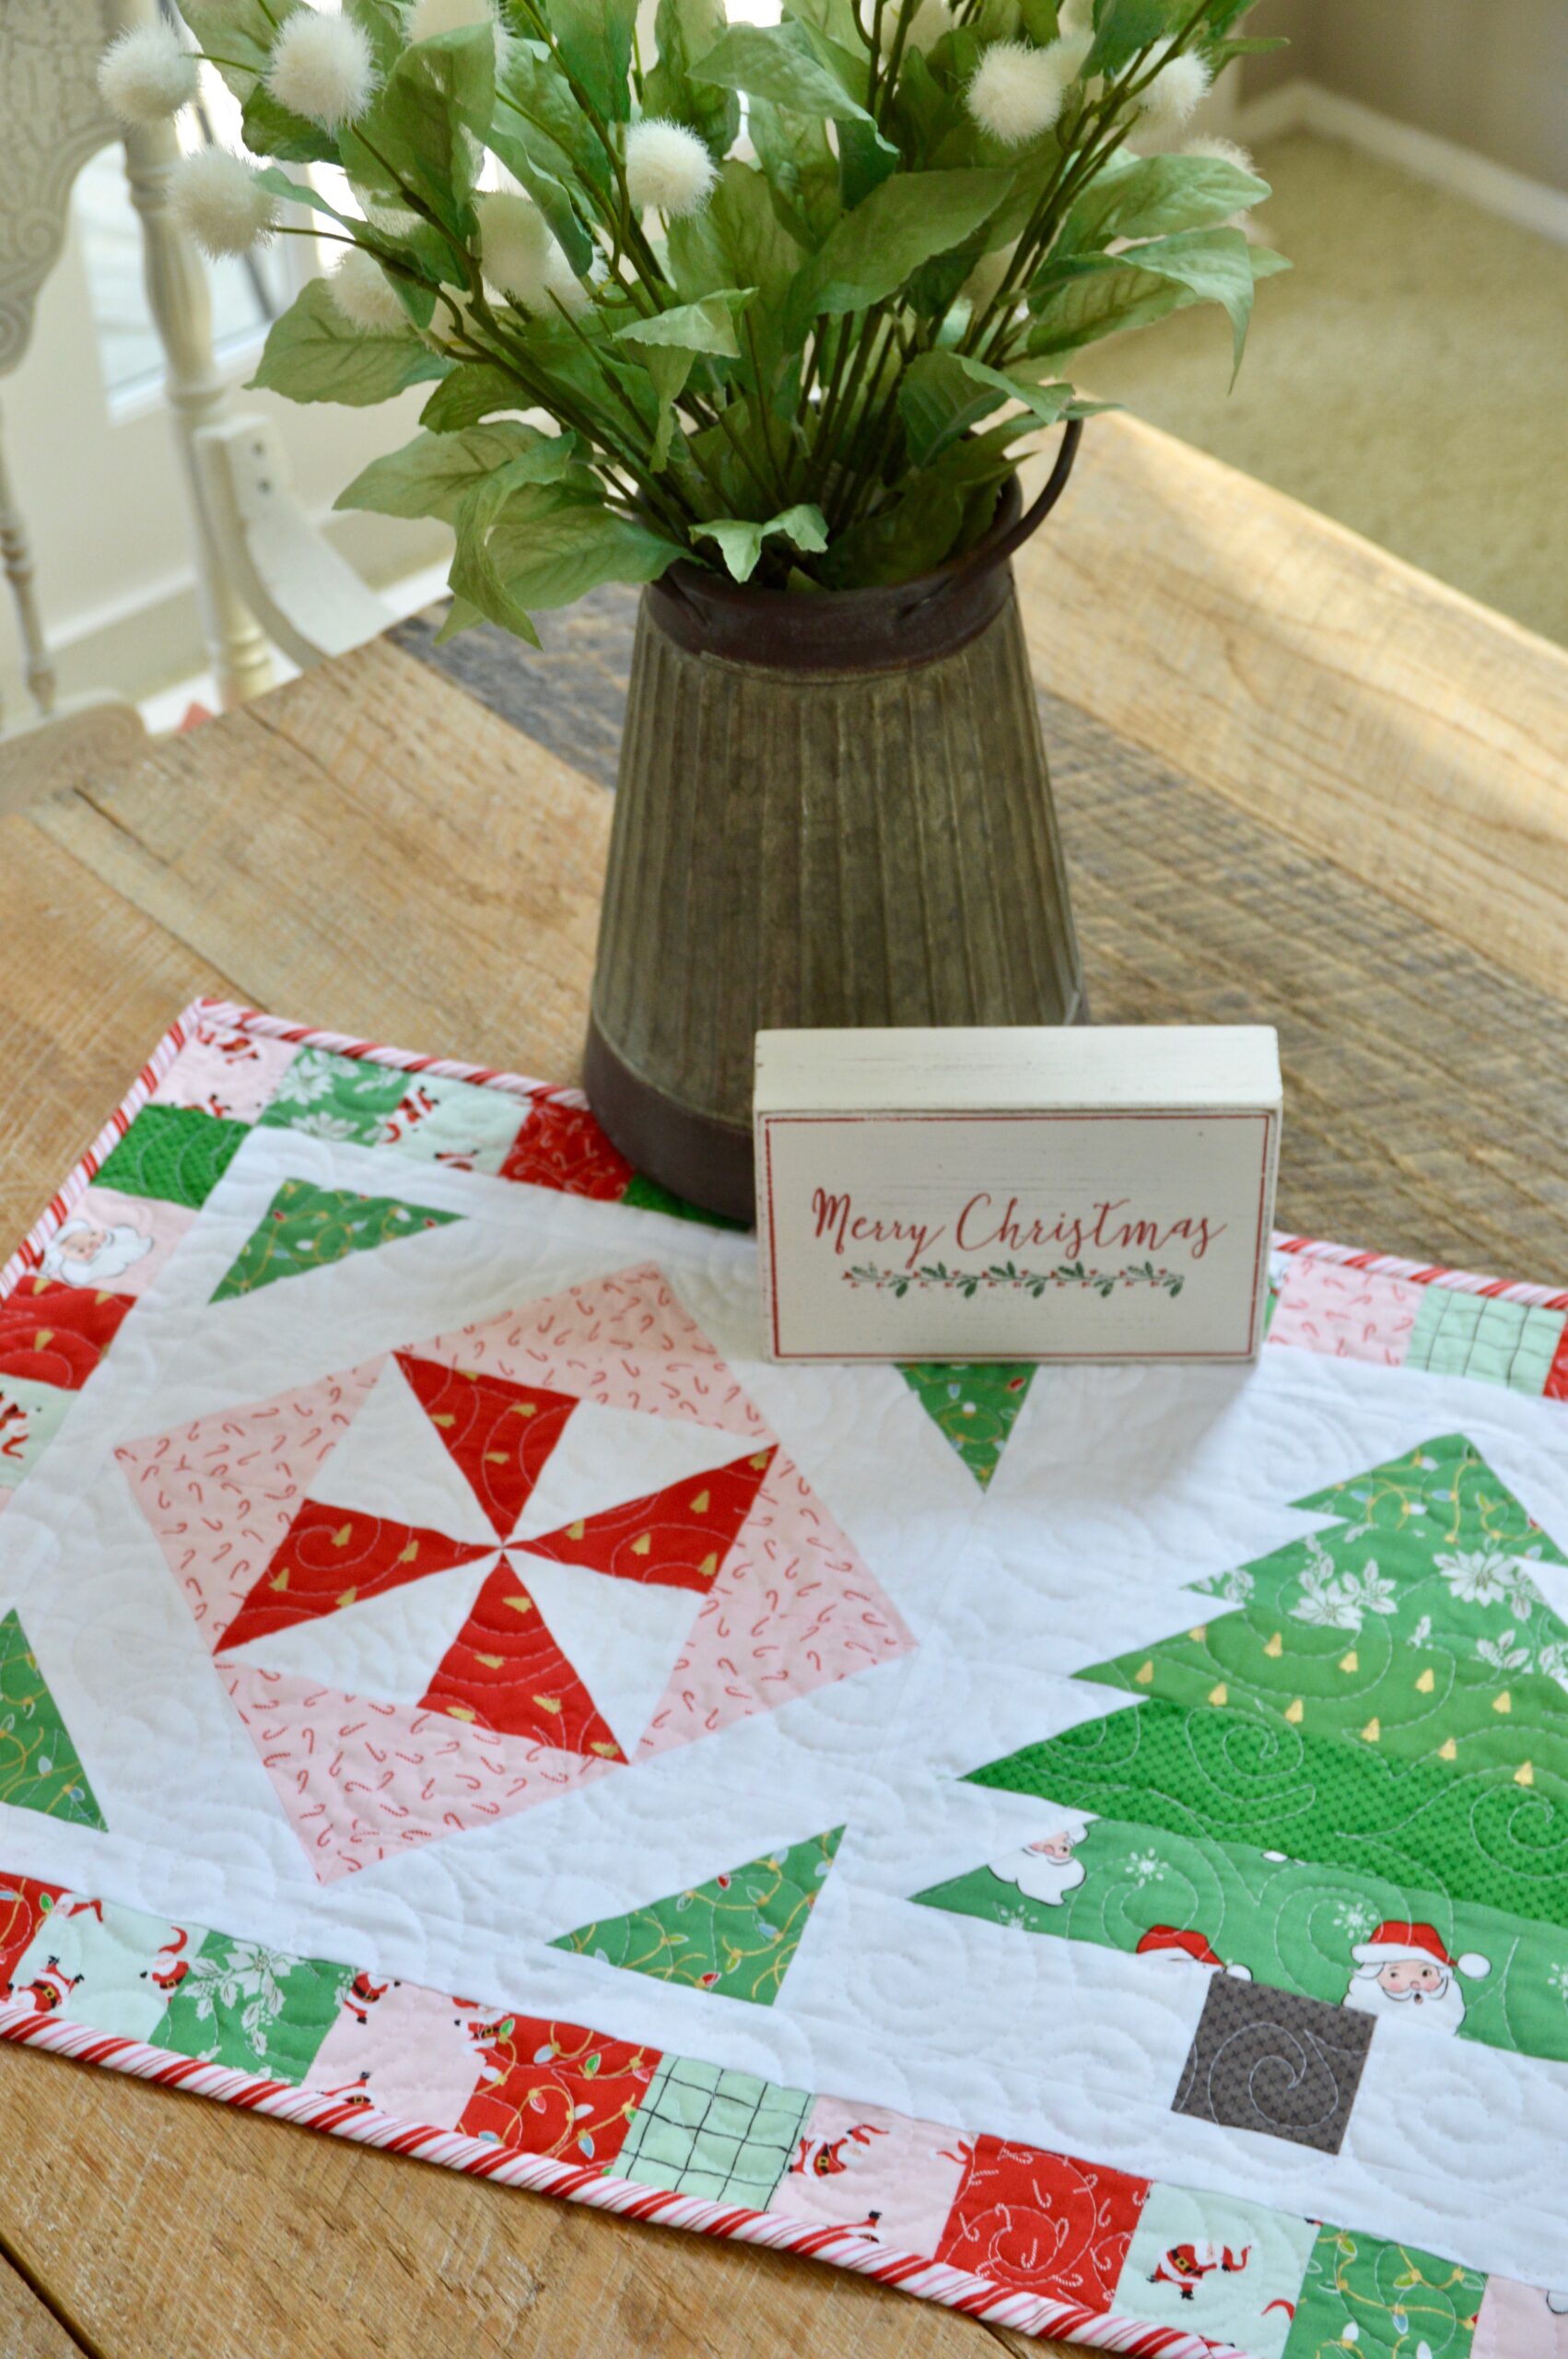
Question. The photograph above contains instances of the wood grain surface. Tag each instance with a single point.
(1297, 785)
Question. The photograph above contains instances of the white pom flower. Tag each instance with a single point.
(562, 283)
(1076, 17)
(1177, 90)
(147, 76)
(220, 201)
(364, 294)
(1017, 91)
(514, 245)
(321, 68)
(1071, 53)
(667, 168)
(1220, 151)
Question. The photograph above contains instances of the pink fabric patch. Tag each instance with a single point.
(226, 1071)
(114, 1244)
(221, 1494)
(360, 1780)
(860, 2166)
(405, 2049)
(1349, 1314)
(1517, 2322)
(793, 1608)
(623, 1341)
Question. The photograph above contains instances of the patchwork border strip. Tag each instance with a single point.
(1324, 1297)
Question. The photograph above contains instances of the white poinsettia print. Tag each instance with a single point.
(1338, 1597)
(1479, 1575)
(310, 1077)
(247, 1978)
(328, 1126)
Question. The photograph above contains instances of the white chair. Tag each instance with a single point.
(258, 559)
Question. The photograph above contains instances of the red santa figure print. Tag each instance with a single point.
(1185, 2266)
(1184, 1946)
(169, 1968)
(47, 1990)
(1405, 1971)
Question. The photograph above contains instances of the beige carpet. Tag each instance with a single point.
(1410, 377)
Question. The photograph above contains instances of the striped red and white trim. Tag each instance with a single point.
(1423, 1273)
(930, 2281)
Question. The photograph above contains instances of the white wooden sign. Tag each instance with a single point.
(1016, 1193)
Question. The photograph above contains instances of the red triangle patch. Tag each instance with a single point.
(336, 1556)
(505, 1672)
(677, 1538)
(499, 1435)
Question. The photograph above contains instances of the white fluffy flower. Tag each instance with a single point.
(322, 67)
(221, 202)
(1076, 17)
(147, 75)
(1220, 151)
(514, 245)
(667, 168)
(364, 294)
(1071, 53)
(1017, 91)
(1175, 91)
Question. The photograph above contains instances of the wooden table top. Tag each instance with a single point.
(1299, 784)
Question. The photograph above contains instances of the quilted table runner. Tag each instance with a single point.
(1089, 1846)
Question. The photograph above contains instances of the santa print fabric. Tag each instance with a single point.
(646, 1761)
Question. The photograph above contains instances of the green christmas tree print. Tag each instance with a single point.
(976, 1406)
(737, 1934)
(308, 1227)
(40, 1767)
(1384, 1700)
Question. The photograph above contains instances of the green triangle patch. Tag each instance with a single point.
(736, 1934)
(975, 1403)
(307, 1228)
(40, 1767)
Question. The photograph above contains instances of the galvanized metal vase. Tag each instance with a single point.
(832, 810)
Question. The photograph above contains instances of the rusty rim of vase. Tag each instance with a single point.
(851, 631)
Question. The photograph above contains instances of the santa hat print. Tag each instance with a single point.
(1395, 1943)
(1174, 1941)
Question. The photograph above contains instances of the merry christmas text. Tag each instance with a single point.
(985, 1225)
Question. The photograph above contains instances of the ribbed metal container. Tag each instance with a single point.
(832, 810)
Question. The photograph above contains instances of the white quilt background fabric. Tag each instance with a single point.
(1117, 1488)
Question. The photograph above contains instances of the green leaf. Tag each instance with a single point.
(269, 129)
(420, 121)
(1147, 199)
(706, 326)
(238, 35)
(901, 225)
(904, 541)
(943, 395)
(683, 30)
(1212, 266)
(535, 105)
(460, 615)
(1125, 27)
(738, 241)
(779, 63)
(544, 544)
(313, 354)
(596, 39)
(431, 474)
(740, 542)
(803, 173)
(474, 390)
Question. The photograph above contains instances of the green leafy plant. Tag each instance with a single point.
(790, 301)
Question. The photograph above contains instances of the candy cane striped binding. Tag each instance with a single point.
(929, 2280)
